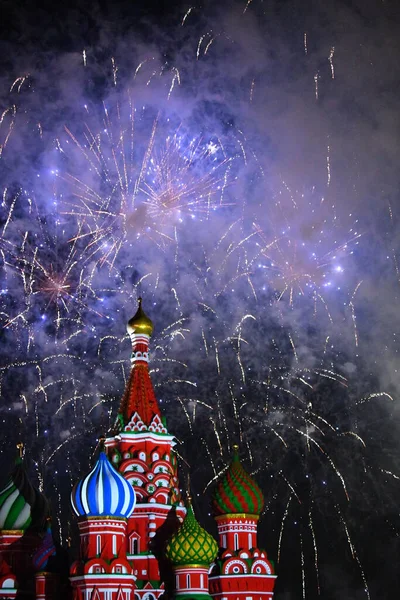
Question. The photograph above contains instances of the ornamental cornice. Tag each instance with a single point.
(190, 566)
(129, 436)
(236, 516)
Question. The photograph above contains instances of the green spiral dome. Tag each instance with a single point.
(237, 492)
(191, 545)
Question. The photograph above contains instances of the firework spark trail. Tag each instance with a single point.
(330, 58)
(18, 83)
(310, 522)
(316, 78)
(187, 13)
(353, 313)
(247, 6)
(353, 551)
(5, 137)
(303, 574)
(252, 90)
(328, 166)
(285, 514)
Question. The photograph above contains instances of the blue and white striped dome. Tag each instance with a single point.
(103, 492)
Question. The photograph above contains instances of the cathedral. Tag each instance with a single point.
(139, 540)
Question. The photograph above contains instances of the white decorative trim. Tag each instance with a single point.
(135, 424)
(231, 564)
(133, 436)
(264, 564)
(139, 357)
(157, 426)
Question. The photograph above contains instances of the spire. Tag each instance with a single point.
(139, 394)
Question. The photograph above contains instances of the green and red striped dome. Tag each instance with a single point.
(237, 492)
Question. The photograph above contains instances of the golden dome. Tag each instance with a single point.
(140, 322)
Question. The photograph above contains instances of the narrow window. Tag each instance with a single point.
(134, 546)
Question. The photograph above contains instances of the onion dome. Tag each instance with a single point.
(140, 322)
(21, 505)
(237, 492)
(103, 492)
(191, 544)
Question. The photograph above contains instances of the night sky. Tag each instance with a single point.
(236, 164)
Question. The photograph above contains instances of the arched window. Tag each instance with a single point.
(188, 581)
(134, 544)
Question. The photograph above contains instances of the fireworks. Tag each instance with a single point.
(127, 195)
(154, 190)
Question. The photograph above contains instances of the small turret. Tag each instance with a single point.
(191, 550)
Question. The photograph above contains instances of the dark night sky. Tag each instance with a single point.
(280, 307)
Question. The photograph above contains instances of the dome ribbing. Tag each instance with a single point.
(191, 545)
(103, 492)
(237, 492)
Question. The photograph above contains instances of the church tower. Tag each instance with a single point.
(103, 501)
(242, 569)
(142, 451)
(191, 551)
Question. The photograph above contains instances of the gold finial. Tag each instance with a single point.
(188, 492)
(102, 443)
(235, 448)
(20, 447)
(140, 323)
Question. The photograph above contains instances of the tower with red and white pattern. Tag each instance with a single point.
(242, 570)
(142, 451)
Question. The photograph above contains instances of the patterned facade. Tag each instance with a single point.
(137, 539)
